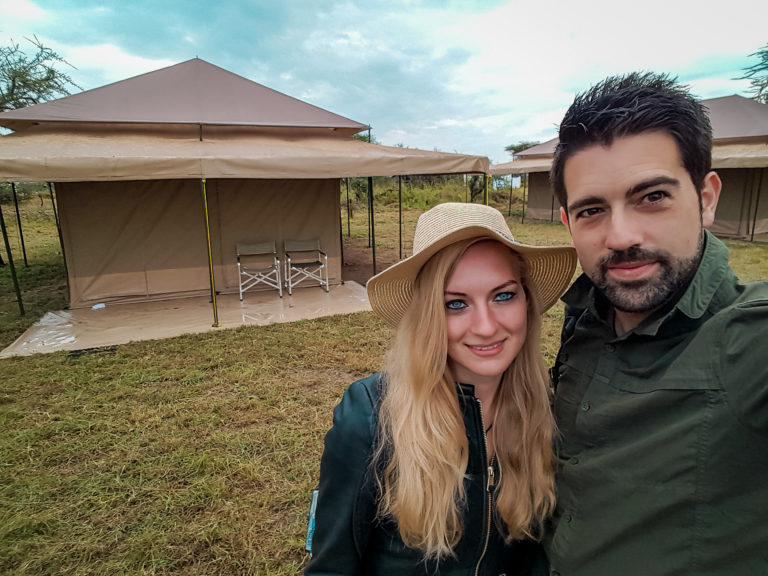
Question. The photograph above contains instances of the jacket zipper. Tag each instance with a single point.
(489, 489)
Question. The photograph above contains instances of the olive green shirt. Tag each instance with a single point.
(663, 456)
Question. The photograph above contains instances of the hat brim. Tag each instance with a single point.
(550, 269)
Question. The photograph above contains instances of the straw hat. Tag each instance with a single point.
(550, 267)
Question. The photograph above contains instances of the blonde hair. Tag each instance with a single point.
(422, 449)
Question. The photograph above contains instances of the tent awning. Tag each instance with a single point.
(522, 166)
(106, 154)
(751, 155)
(741, 155)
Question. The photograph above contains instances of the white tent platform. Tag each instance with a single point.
(84, 328)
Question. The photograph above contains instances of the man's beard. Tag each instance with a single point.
(646, 295)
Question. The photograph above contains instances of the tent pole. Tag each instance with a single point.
(552, 209)
(18, 223)
(509, 209)
(10, 263)
(757, 202)
(485, 188)
(368, 207)
(341, 246)
(525, 190)
(210, 257)
(370, 219)
(61, 238)
(400, 212)
(348, 229)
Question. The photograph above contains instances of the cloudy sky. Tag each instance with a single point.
(468, 76)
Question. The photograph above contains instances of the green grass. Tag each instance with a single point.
(42, 279)
(192, 455)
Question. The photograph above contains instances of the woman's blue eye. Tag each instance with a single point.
(504, 296)
(455, 305)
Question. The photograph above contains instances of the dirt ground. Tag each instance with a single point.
(358, 260)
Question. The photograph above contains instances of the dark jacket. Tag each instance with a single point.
(350, 539)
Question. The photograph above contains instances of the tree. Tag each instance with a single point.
(27, 80)
(757, 74)
(520, 146)
(365, 137)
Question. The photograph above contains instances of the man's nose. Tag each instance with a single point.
(623, 231)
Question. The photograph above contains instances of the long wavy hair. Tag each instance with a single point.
(422, 449)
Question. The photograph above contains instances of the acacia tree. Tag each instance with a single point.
(27, 80)
(520, 146)
(757, 74)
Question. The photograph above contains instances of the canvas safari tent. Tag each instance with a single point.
(147, 168)
(739, 154)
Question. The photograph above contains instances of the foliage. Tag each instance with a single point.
(520, 146)
(757, 74)
(366, 136)
(27, 80)
(24, 191)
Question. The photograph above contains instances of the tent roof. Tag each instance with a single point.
(192, 92)
(98, 153)
(544, 149)
(737, 117)
(740, 132)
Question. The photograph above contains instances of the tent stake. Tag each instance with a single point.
(370, 218)
(210, 257)
(10, 263)
(18, 223)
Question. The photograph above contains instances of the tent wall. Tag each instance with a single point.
(140, 240)
(742, 211)
(541, 203)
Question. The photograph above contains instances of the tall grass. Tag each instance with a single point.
(41, 278)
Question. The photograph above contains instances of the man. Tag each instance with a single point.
(662, 377)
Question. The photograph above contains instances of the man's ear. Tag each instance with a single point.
(564, 219)
(710, 194)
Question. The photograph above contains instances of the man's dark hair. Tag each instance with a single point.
(629, 105)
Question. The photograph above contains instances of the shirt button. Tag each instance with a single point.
(574, 460)
(585, 406)
(610, 348)
(555, 573)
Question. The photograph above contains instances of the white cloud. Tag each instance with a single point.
(111, 62)
(14, 13)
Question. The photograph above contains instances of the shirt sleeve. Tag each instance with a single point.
(345, 503)
(744, 363)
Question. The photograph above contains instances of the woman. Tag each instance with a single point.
(442, 463)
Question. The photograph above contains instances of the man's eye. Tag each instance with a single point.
(655, 196)
(455, 304)
(588, 212)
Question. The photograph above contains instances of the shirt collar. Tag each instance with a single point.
(693, 302)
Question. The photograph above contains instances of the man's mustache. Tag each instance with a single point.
(632, 254)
